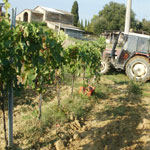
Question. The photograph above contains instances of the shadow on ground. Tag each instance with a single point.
(121, 131)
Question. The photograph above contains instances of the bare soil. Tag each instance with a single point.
(119, 120)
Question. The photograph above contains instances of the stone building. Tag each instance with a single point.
(55, 19)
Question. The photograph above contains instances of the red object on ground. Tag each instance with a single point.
(87, 90)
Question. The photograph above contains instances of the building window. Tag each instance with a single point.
(25, 17)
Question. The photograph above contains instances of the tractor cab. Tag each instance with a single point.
(132, 44)
(133, 47)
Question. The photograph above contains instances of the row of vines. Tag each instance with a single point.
(31, 57)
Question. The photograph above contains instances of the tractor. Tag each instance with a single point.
(133, 57)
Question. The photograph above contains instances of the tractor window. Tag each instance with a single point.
(131, 44)
(143, 45)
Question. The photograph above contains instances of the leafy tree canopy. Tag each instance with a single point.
(112, 17)
(145, 25)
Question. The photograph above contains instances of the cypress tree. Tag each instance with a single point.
(86, 23)
(82, 27)
(75, 12)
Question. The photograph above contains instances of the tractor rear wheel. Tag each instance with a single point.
(105, 66)
(138, 68)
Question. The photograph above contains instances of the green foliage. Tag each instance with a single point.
(72, 58)
(134, 88)
(142, 26)
(37, 24)
(116, 111)
(81, 24)
(85, 56)
(100, 24)
(58, 115)
(43, 56)
(78, 106)
(138, 26)
(112, 17)
(86, 23)
(6, 6)
(146, 25)
(75, 12)
(33, 54)
(61, 37)
(93, 51)
(72, 62)
(11, 54)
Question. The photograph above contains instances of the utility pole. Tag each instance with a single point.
(128, 16)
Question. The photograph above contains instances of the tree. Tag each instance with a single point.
(100, 26)
(82, 27)
(146, 25)
(75, 12)
(85, 25)
(80, 24)
(138, 26)
(112, 17)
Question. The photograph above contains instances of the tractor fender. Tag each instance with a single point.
(136, 54)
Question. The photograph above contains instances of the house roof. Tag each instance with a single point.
(65, 12)
(47, 9)
(65, 26)
(37, 12)
(24, 10)
(55, 10)
(139, 35)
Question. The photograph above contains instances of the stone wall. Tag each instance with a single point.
(67, 19)
(36, 17)
(61, 18)
(52, 17)
(74, 33)
(51, 26)
(20, 16)
(41, 11)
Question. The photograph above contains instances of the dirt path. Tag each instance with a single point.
(118, 120)
(121, 122)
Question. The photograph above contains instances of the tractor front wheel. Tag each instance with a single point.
(105, 66)
(138, 68)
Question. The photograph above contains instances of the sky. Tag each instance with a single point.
(87, 8)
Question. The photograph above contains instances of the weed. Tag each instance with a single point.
(146, 94)
(134, 88)
(119, 111)
(115, 111)
(77, 106)
(53, 114)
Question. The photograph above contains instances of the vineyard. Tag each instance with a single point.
(34, 59)
(53, 97)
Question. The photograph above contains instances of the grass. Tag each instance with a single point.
(117, 77)
(128, 106)
(53, 115)
(115, 111)
(81, 104)
(135, 88)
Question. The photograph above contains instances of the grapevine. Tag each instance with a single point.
(33, 57)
